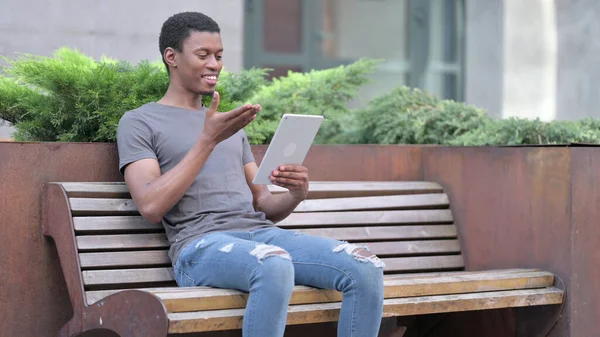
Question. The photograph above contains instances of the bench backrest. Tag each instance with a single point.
(408, 225)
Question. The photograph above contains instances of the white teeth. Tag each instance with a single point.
(214, 78)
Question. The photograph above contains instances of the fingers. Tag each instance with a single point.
(238, 111)
(290, 175)
(286, 182)
(212, 109)
(293, 168)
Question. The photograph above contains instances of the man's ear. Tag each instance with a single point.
(170, 56)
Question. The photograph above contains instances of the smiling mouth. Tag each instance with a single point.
(210, 77)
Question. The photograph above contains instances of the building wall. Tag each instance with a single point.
(126, 30)
(533, 59)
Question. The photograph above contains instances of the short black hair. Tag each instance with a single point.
(178, 27)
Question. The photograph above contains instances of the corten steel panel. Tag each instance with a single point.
(33, 295)
(512, 209)
(585, 248)
(360, 162)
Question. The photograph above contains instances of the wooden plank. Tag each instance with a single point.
(114, 224)
(127, 276)
(298, 220)
(340, 189)
(85, 206)
(418, 284)
(124, 259)
(317, 189)
(413, 247)
(97, 206)
(423, 263)
(121, 241)
(221, 299)
(385, 233)
(96, 190)
(160, 257)
(144, 275)
(214, 320)
(374, 203)
(159, 240)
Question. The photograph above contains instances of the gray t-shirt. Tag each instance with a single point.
(219, 198)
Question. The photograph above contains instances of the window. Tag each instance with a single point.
(420, 41)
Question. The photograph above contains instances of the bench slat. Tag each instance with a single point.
(317, 189)
(385, 233)
(124, 259)
(127, 276)
(205, 298)
(214, 320)
(374, 203)
(296, 220)
(116, 224)
(88, 206)
(445, 283)
(151, 275)
(159, 240)
(122, 241)
(82, 206)
(160, 257)
(423, 263)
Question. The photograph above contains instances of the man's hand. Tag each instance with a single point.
(220, 126)
(294, 178)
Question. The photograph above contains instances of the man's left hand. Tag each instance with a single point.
(294, 178)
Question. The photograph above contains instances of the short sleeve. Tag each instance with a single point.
(134, 140)
(247, 155)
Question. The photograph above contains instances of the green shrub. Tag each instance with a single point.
(411, 116)
(71, 97)
(318, 92)
(520, 131)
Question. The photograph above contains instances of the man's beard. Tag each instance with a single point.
(207, 93)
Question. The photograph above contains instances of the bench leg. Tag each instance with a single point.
(129, 313)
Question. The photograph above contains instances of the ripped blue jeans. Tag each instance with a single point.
(268, 262)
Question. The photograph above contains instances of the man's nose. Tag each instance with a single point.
(212, 63)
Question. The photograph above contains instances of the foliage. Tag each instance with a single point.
(411, 116)
(71, 97)
(318, 92)
(520, 131)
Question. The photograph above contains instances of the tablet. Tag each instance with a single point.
(290, 144)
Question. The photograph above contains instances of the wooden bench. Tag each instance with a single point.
(119, 276)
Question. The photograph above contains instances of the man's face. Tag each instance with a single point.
(199, 64)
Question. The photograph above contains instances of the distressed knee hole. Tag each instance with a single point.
(361, 254)
(227, 248)
(263, 251)
(199, 244)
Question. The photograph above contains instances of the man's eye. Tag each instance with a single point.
(202, 56)
(219, 57)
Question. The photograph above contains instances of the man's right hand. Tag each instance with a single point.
(220, 126)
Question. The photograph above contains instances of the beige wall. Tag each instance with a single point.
(126, 30)
(534, 58)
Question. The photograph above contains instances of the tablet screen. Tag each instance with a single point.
(290, 144)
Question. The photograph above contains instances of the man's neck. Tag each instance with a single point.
(177, 97)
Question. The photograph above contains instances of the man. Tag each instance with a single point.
(191, 168)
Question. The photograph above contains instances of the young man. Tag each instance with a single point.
(191, 168)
